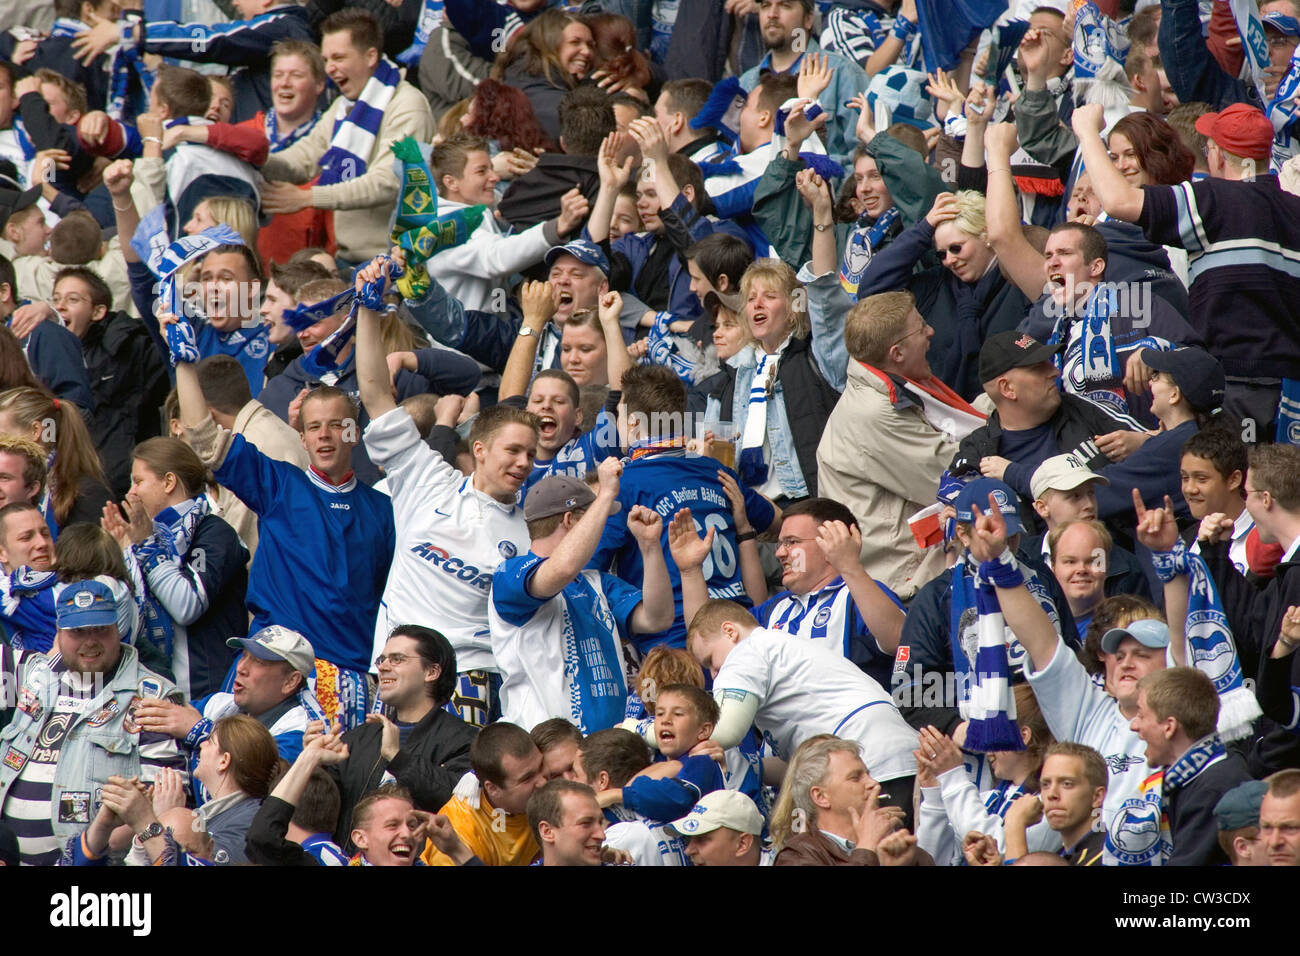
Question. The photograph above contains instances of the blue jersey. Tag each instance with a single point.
(322, 556)
(666, 482)
(580, 455)
(830, 616)
(249, 347)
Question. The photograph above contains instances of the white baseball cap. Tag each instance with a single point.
(277, 643)
(721, 808)
(1062, 473)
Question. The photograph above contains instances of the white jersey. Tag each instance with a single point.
(805, 689)
(647, 845)
(1079, 711)
(473, 271)
(450, 538)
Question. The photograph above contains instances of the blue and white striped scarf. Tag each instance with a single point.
(279, 143)
(1210, 646)
(165, 261)
(990, 705)
(1100, 360)
(355, 134)
(861, 245)
(324, 358)
(431, 15)
(677, 352)
(752, 465)
(170, 542)
(123, 60)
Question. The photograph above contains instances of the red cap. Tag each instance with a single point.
(1241, 130)
(1262, 558)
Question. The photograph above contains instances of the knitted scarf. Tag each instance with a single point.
(27, 609)
(861, 245)
(990, 706)
(165, 261)
(280, 143)
(1210, 647)
(354, 134)
(169, 544)
(752, 465)
(431, 15)
(677, 352)
(1099, 358)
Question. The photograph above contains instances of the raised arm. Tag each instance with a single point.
(538, 306)
(1017, 258)
(618, 359)
(689, 552)
(572, 554)
(1120, 198)
(842, 547)
(655, 611)
(372, 364)
(613, 177)
(1020, 609)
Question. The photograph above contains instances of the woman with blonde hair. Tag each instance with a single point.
(964, 296)
(781, 388)
(232, 211)
(77, 489)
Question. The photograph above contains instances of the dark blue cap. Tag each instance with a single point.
(977, 493)
(583, 250)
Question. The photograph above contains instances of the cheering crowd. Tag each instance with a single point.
(649, 432)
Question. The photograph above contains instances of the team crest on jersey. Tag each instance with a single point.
(822, 617)
(257, 348)
(1134, 835)
(507, 549)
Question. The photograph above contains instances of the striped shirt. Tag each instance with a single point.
(1243, 260)
(830, 617)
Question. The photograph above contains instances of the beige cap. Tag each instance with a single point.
(1062, 473)
(721, 808)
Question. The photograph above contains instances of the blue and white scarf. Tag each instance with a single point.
(990, 706)
(170, 542)
(165, 261)
(1099, 357)
(431, 15)
(1283, 109)
(1100, 49)
(1254, 43)
(355, 134)
(27, 607)
(677, 352)
(1186, 768)
(323, 360)
(752, 465)
(280, 143)
(861, 245)
(1210, 647)
(124, 59)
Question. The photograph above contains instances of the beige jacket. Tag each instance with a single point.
(884, 463)
(270, 435)
(362, 205)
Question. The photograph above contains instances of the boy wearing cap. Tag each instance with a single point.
(1032, 420)
(62, 709)
(1241, 232)
(1187, 390)
(723, 829)
(556, 628)
(1065, 489)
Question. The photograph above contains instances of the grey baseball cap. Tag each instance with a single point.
(556, 494)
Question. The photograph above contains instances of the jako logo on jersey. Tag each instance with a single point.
(452, 565)
(341, 505)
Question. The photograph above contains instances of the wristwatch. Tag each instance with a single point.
(822, 226)
(154, 829)
(526, 330)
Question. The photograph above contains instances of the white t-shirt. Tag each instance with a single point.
(450, 538)
(805, 689)
(647, 845)
(1078, 710)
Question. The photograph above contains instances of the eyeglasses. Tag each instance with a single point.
(907, 335)
(789, 543)
(71, 298)
(397, 660)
